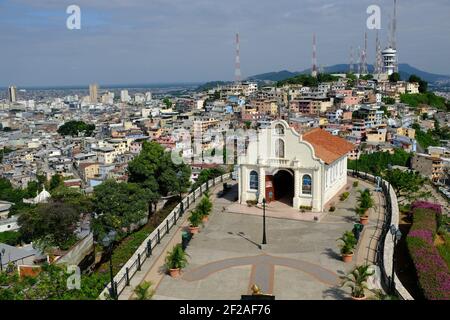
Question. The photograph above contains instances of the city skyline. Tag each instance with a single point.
(174, 41)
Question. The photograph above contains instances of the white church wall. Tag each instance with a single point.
(336, 178)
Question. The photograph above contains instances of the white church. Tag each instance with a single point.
(301, 170)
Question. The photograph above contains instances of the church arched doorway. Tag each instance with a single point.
(283, 185)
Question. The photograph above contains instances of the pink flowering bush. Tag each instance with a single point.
(432, 271)
(427, 205)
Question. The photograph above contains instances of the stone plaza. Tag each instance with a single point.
(300, 261)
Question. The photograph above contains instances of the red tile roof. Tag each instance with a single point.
(327, 147)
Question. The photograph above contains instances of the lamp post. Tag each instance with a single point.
(396, 236)
(108, 242)
(389, 182)
(1, 262)
(264, 241)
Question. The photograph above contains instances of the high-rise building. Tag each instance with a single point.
(12, 94)
(93, 93)
(124, 97)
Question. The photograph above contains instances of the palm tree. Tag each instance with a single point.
(143, 291)
(365, 201)
(176, 259)
(357, 280)
(349, 242)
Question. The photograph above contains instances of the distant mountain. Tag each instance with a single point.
(405, 69)
(274, 76)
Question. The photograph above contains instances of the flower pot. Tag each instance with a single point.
(359, 299)
(193, 230)
(347, 257)
(364, 220)
(175, 273)
(205, 219)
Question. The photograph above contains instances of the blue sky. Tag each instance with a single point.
(150, 41)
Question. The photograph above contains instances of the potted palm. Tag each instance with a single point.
(348, 245)
(143, 291)
(176, 260)
(195, 219)
(204, 208)
(365, 202)
(357, 281)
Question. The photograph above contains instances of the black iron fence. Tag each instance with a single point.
(134, 264)
(386, 279)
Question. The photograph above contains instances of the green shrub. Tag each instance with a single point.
(177, 258)
(349, 242)
(252, 203)
(195, 219)
(355, 184)
(11, 238)
(344, 196)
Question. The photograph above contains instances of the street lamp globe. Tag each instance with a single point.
(393, 229)
(398, 235)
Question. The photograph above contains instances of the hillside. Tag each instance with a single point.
(406, 71)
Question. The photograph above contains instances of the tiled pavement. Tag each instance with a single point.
(301, 260)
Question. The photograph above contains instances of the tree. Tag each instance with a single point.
(395, 77)
(154, 171)
(72, 197)
(56, 181)
(423, 85)
(216, 95)
(367, 77)
(167, 102)
(75, 128)
(50, 225)
(205, 175)
(11, 238)
(143, 291)
(388, 100)
(376, 162)
(118, 206)
(407, 184)
(357, 280)
(50, 284)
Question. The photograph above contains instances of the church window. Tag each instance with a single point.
(279, 148)
(306, 184)
(254, 183)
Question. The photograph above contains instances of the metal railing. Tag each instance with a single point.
(134, 264)
(384, 242)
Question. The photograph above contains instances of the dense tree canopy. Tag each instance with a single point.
(376, 162)
(206, 175)
(423, 85)
(118, 206)
(154, 171)
(395, 77)
(428, 98)
(14, 195)
(50, 225)
(75, 128)
(407, 184)
(50, 284)
(308, 80)
(426, 139)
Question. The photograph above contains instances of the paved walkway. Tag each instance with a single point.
(276, 210)
(153, 269)
(301, 260)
